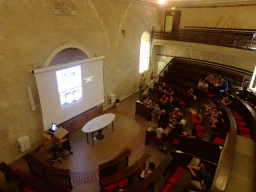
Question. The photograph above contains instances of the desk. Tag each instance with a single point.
(59, 139)
(98, 123)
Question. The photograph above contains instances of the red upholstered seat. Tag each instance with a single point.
(219, 141)
(243, 129)
(182, 103)
(200, 127)
(156, 139)
(177, 175)
(197, 121)
(111, 187)
(254, 109)
(29, 179)
(200, 134)
(195, 116)
(210, 95)
(167, 187)
(246, 135)
(237, 117)
(122, 183)
(241, 123)
(234, 112)
(176, 141)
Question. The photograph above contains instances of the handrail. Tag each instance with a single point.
(227, 155)
(151, 85)
(239, 39)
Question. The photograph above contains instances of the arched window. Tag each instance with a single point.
(144, 51)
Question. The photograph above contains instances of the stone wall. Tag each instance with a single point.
(30, 32)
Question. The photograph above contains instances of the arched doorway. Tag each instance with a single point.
(144, 52)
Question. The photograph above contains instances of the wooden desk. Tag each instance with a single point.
(57, 140)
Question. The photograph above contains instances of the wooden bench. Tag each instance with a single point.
(47, 173)
(25, 182)
(125, 173)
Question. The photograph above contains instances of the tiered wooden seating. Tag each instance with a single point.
(149, 181)
(48, 173)
(121, 178)
(26, 183)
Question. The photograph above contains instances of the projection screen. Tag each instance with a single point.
(68, 90)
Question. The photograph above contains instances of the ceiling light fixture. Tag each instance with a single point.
(161, 1)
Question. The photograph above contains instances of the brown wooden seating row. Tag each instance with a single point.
(149, 181)
(115, 165)
(24, 181)
(125, 173)
(143, 110)
(48, 173)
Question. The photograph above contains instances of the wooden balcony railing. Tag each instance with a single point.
(235, 38)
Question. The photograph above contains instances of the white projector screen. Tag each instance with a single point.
(67, 90)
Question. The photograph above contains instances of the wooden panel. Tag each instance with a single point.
(80, 120)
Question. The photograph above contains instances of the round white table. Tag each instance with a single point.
(98, 123)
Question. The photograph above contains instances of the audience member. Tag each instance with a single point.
(200, 84)
(150, 169)
(163, 119)
(205, 86)
(201, 175)
(176, 131)
(190, 92)
(210, 78)
(210, 110)
(156, 111)
(243, 94)
(224, 87)
(165, 99)
(147, 101)
(158, 131)
(228, 99)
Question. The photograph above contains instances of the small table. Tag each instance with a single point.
(98, 123)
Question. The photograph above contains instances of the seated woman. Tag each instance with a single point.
(170, 92)
(228, 99)
(147, 101)
(152, 104)
(165, 99)
(156, 110)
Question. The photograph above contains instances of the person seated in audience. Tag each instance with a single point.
(190, 93)
(215, 122)
(156, 111)
(200, 84)
(202, 175)
(205, 86)
(210, 78)
(158, 131)
(165, 88)
(243, 94)
(228, 99)
(217, 81)
(176, 131)
(147, 171)
(223, 86)
(163, 119)
(170, 92)
(210, 110)
(152, 104)
(147, 101)
(165, 99)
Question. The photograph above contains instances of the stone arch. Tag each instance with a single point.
(68, 47)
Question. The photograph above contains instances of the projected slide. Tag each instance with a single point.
(69, 86)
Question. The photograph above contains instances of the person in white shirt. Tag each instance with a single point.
(150, 169)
